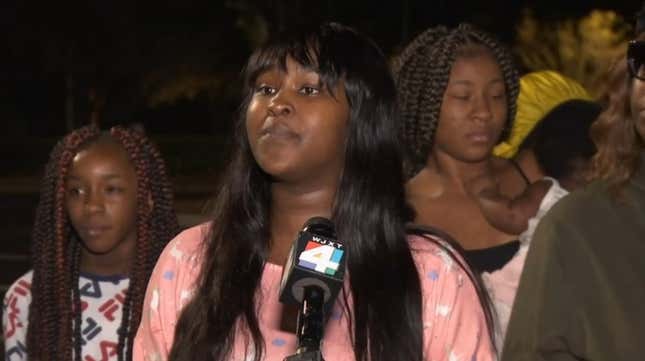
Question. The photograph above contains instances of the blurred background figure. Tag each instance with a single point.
(540, 92)
(562, 148)
(581, 293)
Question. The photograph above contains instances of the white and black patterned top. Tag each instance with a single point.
(101, 303)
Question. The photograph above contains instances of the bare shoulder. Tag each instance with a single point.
(425, 184)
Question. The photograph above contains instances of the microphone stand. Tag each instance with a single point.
(310, 326)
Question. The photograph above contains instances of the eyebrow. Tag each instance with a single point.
(108, 176)
(468, 82)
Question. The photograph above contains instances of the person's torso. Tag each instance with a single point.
(439, 205)
(441, 279)
(101, 304)
(607, 273)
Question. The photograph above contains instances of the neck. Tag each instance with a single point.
(291, 207)
(458, 173)
(104, 266)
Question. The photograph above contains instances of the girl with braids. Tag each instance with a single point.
(105, 214)
(457, 90)
(318, 119)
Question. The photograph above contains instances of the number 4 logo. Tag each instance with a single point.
(321, 258)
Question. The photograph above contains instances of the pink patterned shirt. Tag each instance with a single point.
(453, 321)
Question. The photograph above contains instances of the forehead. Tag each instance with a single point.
(480, 65)
(103, 156)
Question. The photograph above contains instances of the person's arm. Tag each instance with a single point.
(15, 316)
(510, 215)
(454, 324)
(543, 322)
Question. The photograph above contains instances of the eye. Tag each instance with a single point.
(113, 189)
(499, 96)
(74, 192)
(309, 90)
(264, 89)
(463, 97)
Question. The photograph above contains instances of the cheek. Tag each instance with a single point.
(448, 125)
(500, 111)
(446, 133)
(73, 211)
(453, 111)
(331, 122)
(125, 210)
(452, 108)
(253, 118)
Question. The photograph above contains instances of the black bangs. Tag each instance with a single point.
(322, 49)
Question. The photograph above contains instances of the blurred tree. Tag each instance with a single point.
(76, 48)
(111, 60)
(581, 48)
(195, 52)
(119, 60)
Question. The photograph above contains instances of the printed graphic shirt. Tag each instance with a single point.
(101, 303)
(454, 324)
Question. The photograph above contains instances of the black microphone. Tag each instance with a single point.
(312, 278)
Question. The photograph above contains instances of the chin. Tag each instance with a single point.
(95, 249)
(477, 157)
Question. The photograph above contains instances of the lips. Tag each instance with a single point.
(94, 231)
(277, 131)
(479, 137)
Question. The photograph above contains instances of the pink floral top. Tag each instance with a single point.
(453, 321)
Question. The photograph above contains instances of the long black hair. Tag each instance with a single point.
(370, 213)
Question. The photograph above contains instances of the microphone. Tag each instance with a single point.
(312, 278)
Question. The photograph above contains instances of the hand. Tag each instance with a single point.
(481, 183)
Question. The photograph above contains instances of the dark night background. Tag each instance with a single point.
(172, 66)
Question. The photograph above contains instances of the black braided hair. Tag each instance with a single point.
(422, 71)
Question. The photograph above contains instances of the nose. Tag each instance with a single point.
(482, 109)
(280, 105)
(94, 202)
